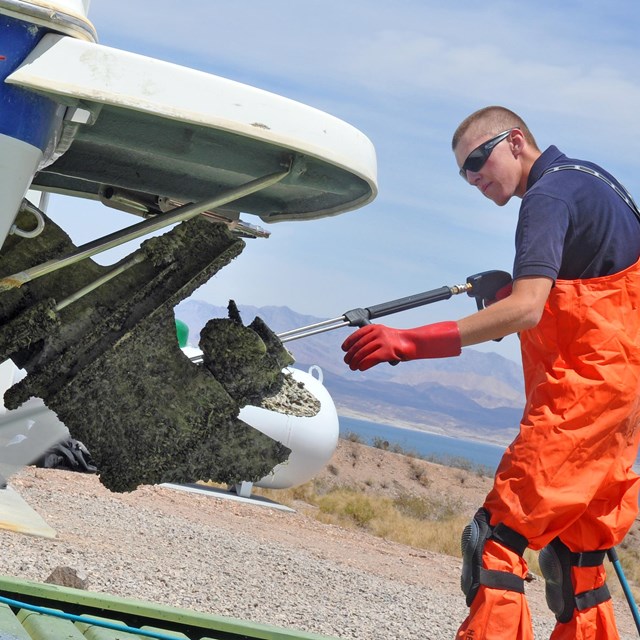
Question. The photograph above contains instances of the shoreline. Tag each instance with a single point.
(467, 437)
(412, 426)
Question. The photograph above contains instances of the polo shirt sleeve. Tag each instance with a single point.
(542, 227)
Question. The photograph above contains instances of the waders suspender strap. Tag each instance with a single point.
(621, 191)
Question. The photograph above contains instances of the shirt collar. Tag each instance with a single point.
(548, 157)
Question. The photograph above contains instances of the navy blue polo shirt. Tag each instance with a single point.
(572, 225)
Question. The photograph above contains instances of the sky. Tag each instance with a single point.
(405, 74)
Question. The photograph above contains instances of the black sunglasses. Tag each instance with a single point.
(476, 159)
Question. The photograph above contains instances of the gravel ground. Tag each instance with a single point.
(241, 560)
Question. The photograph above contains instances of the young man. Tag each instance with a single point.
(565, 485)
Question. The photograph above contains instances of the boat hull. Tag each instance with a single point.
(29, 122)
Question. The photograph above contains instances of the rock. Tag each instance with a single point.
(69, 577)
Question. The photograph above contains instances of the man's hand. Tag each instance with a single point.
(376, 343)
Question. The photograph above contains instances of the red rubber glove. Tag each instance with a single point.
(375, 343)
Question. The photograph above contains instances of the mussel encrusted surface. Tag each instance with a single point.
(110, 366)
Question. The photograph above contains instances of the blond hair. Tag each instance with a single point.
(491, 121)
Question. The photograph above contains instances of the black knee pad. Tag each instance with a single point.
(556, 560)
(474, 538)
(555, 565)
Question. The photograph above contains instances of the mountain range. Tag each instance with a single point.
(476, 395)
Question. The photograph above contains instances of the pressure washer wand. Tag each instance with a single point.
(480, 286)
(359, 317)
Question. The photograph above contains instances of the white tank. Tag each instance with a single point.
(312, 440)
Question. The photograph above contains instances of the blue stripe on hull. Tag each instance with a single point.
(23, 115)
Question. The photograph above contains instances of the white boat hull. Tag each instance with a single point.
(18, 163)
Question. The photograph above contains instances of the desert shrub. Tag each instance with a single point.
(419, 472)
(349, 505)
(380, 443)
(427, 508)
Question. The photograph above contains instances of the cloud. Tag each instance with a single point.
(406, 74)
(551, 63)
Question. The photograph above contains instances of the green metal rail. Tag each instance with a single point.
(20, 623)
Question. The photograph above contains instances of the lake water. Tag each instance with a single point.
(443, 448)
(425, 444)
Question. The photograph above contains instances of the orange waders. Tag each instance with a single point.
(568, 472)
